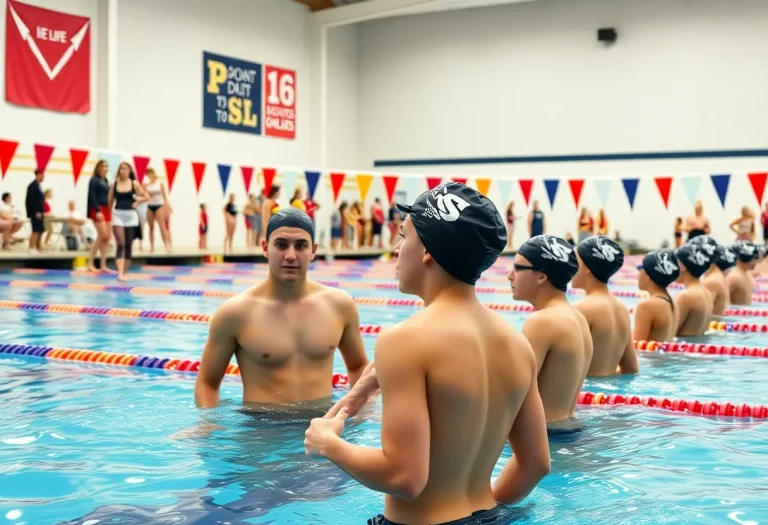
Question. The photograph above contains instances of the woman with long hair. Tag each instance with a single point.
(158, 209)
(269, 207)
(100, 213)
(252, 214)
(602, 223)
(586, 225)
(125, 196)
(230, 214)
(339, 227)
(744, 226)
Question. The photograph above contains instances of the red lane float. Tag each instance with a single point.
(702, 348)
(699, 408)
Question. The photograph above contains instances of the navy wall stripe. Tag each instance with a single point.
(597, 157)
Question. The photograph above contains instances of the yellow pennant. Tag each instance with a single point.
(364, 184)
(483, 185)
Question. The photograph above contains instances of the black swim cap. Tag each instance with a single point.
(706, 243)
(602, 256)
(553, 256)
(724, 258)
(745, 251)
(291, 218)
(662, 267)
(460, 228)
(694, 258)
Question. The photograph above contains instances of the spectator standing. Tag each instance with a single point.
(35, 204)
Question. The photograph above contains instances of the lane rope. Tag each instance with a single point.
(692, 407)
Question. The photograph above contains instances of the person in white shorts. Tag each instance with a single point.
(125, 196)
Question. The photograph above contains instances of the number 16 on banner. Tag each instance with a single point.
(280, 102)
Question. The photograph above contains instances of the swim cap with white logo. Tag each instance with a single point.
(707, 243)
(724, 258)
(745, 251)
(662, 267)
(694, 258)
(460, 228)
(553, 256)
(601, 255)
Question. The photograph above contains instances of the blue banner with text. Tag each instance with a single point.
(232, 94)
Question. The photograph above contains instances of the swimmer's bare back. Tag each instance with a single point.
(613, 349)
(718, 287)
(284, 348)
(478, 378)
(562, 342)
(655, 319)
(740, 285)
(694, 310)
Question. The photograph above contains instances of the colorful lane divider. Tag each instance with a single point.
(707, 408)
(721, 326)
(366, 329)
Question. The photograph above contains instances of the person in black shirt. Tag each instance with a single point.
(101, 215)
(35, 204)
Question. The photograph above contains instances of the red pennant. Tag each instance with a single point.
(664, 184)
(43, 155)
(7, 151)
(269, 176)
(460, 180)
(576, 186)
(140, 164)
(198, 169)
(390, 183)
(526, 185)
(337, 179)
(171, 167)
(757, 180)
(247, 177)
(77, 157)
(433, 182)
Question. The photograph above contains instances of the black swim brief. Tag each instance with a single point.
(499, 515)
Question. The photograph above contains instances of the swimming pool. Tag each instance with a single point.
(88, 444)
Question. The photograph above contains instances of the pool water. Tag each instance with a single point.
(93, 444)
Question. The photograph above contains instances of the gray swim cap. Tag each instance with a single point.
(291, 218)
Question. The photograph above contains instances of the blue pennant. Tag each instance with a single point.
(720, 182)
(551, 185)
(224, 170)
(313, 177)
(630, 188)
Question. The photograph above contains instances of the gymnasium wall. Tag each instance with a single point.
(341, 130)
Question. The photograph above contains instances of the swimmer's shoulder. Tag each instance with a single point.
(337, 299)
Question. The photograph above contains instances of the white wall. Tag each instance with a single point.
(531, 79)
(342, 123)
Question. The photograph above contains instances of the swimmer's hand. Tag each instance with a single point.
(366, 388)
(202, 430)
(322, 431)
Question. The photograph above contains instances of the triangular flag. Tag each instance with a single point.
(364, 185)
(77, 158)
(692, 185)
(720, 182)
(433, 182)
(603, 187)
(551, 186)
(140, 164)
(630, 188)
(526, 185)
(224, 171)
(576, 186)
(483, 186)
(313, 177)
(664, 184)
(290, 179)
(43, 155)
(757, 180)
(269, 176)
(7, 151)
(390, 183)
(460, 180)
(198, 170)
(337, 179)
(113, 161)
(247, 172)
(171, 167)
(505, 188)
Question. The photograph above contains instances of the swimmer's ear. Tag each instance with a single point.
(427, 257)
(264, 245)
(314, 251)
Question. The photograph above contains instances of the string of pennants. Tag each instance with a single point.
(691, 184)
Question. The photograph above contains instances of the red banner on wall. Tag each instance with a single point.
(279, 102)
(47, 59)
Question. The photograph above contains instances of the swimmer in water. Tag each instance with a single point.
(714, 280)
(613, 349)
(694, 304)
(284, 331)
(656, 316)
(559, 334)
(457, 381)
(740, 281)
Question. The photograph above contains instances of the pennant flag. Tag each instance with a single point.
(198, 169)
(43, 155)
(337, 179)
(224, 170)
(692, 185)
(247, 172)
(113, 161)
(433, 182)
(269, 176)
(526, 185)
(390, 183)
(720, 182)
(664, 184)
(576, 186)
(7, 151)
(630, 188)
(483, 185)
(364, 185)
(757, 180)
(77, 158)
(505, 188)
(290, 180)
(603, 187)
(171, 167)
(551, 186)
(460, 180)
(313, 177)
(140, 164)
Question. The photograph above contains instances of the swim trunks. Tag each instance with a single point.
(498, 515)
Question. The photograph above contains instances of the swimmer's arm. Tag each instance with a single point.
(643, 322)
(351, 344)
(401, 466)
(530, 222)
(110, 199)
(530, 462)
(536, 331)
(628, 363)
(139, 189)
(733, 227)
(219, 349)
